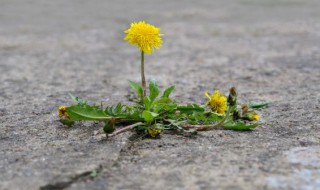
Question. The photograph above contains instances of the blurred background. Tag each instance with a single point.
(77, 37)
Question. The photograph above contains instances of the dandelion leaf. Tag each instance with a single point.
(239, 126)
(78, 112)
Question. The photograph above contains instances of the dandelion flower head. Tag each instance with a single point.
(255, 117)
(145, 36)
(217, 102)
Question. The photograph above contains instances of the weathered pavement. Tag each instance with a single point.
(269, 50)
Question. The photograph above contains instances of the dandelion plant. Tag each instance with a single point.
(156, 112)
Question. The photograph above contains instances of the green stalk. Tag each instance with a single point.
(143, 79)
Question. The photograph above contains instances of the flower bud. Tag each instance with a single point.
(232, 98)
(109, 126)
(244, 109)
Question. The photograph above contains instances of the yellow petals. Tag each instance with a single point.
(251, 115)
(255, 117)
(207, 94)
(217, 102)
(145, 36)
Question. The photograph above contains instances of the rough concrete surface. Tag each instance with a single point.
(269, 50)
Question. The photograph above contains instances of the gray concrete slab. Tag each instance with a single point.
(269, 50)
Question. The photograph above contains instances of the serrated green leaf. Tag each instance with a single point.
(148, 115)
(134, 114)
(239, 126)
(175, 123)
(109, 110)
(74, 98)
(192, 117)
(154, 90)
(118, 108)
(190, 108)
(158, 107)
(77, 113)
(163, 100)
(163, 104)
(215, 117)
(158, 126)
(258, 104)
(168, 91)
(193, 122)
(123, 111)
(206, 123)
(147, 102)
(77, 100)
(170, 107)
(137, 88)
(191, 131)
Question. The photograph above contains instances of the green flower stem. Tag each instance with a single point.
(124, 129)
(143, 79)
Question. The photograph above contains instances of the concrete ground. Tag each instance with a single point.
(269, 50)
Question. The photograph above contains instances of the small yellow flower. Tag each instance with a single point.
(63, 111)
(251, 116)
(217, 102)
(153, 132)
(255, 117)
(145, 36)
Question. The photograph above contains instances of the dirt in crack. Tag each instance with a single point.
(64, 184)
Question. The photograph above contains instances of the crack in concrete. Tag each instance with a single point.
(124, 151)
(60, 185)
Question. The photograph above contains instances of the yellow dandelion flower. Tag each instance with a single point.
(145, 36)
(251, 116)
(217, 102)
(255, 117)
(63, 111)
(153, 132)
